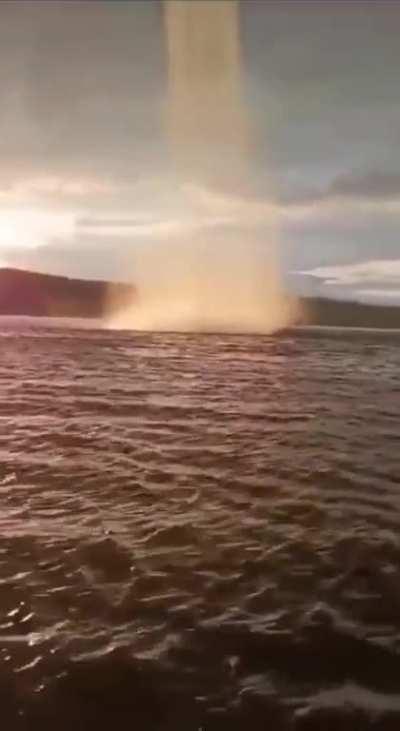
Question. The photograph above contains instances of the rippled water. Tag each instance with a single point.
(199, 532)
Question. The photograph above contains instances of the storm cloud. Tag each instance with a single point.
(82, 110)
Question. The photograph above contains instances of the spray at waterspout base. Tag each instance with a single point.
(218, 269)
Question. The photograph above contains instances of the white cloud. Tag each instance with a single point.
(50, 186)
(382, 271)
(379, 294)
(375, 281)
(26, 228)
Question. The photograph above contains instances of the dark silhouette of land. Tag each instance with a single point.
(338, 313)
(46, 295)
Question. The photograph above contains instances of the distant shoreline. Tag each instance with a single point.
(39, 322)
(34, 294)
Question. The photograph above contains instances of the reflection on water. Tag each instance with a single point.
(199, 531)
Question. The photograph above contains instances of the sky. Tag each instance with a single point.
(86, 177)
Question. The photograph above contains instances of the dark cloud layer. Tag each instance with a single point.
(83, 84)
(83, 93)
(372, 185)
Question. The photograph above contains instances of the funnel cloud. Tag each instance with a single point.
(215, 268)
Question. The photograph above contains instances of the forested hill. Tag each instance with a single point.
(31, 293)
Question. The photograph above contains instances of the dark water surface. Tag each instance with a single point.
(199, 532)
